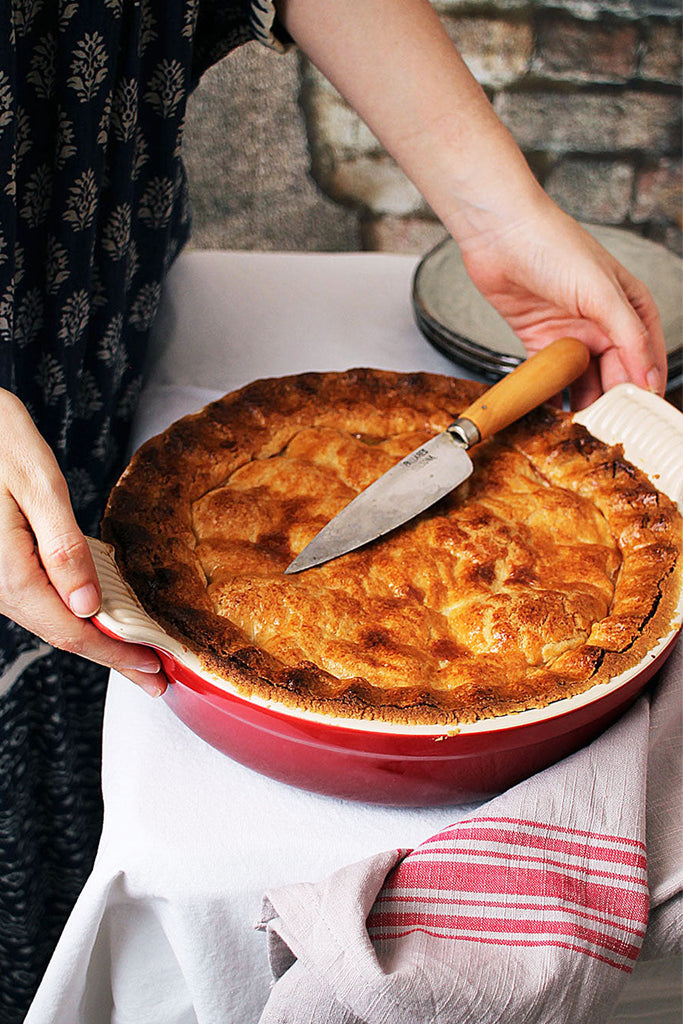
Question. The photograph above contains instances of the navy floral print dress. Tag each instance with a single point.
(93, 209)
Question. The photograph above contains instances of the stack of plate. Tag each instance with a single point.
(455, 318)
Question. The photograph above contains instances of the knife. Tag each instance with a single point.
(435, 468)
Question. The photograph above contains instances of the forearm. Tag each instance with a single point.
(394, 63)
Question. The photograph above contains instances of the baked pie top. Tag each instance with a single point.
(554, 567)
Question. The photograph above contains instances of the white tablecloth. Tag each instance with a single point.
(163, 932)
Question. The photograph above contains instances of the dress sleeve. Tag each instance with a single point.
(223, 25)
(268, 29)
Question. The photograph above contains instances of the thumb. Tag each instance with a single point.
(43, 498)
(66, 559)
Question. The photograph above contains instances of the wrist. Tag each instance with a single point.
(497, 195)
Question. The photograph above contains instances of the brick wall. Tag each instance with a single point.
(247, 161)
(590, 91)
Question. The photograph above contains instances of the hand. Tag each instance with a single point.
(549, 278)
(48, 582)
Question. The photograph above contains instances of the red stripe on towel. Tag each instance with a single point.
(574, 902)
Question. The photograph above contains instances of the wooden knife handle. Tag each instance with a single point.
(534, 381)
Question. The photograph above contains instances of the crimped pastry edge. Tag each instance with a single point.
(244, 678)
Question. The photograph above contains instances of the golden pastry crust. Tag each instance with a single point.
(554, 567)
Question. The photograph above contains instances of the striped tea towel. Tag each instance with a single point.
(533, 909)
(512, 882)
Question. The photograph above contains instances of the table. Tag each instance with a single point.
(163, 932)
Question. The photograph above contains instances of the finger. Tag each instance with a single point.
(58, 627)
(612, 368)
(634, 328)
(62, 548)
(153, 685)
(646, 309)
(586, 389)
(42, 496)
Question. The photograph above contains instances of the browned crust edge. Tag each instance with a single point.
(147, 520)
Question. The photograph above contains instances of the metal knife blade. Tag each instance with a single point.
(408, 488)
(434, 469)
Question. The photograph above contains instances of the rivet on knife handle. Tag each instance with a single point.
(534, 381)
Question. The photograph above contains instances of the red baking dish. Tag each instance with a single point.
(410, 765)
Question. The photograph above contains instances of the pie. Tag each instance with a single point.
(556, 566)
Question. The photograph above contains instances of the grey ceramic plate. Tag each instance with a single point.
(455, 318)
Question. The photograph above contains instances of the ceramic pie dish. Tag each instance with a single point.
(398, 763)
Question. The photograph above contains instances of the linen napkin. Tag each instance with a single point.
(534, 908)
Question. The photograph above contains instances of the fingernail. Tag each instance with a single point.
(619, 375)
(85, 601)
(152, 689)
(654, 380)
(149, 665)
